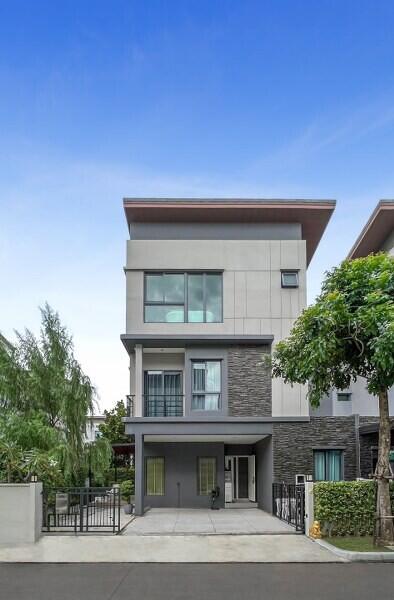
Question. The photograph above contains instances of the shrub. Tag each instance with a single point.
(346, 507)
(122, 474)
(127, 490)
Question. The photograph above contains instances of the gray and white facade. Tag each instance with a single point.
(212, 286)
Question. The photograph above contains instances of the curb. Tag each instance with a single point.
(357, 556)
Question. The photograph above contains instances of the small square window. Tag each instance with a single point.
(289, 279)
(344, 396)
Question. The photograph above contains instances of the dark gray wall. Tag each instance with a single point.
(264, 473)
(294, 444)
(193, 353)
(181, 468)
(368, 444)
(215, 231)
(249, 382)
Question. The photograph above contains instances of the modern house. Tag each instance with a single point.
(356, 403)
(212, 285)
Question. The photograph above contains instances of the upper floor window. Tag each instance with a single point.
(344, 396)
(289, 279)
(183, 297)
(206, 384)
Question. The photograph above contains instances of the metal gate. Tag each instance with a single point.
(288, 504)
(82, 510)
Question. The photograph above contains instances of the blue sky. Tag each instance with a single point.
(100, 100)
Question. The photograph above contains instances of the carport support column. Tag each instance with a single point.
(139, 474)
(138, 368)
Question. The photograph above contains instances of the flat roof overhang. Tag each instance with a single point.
(184, 426)
(180, 341)
(313, 215)
(377, 229)
(372, 428)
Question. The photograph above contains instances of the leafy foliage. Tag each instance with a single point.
(346, 507)
(122, 474)
(347, 333)
(45, 398)
(113, 427)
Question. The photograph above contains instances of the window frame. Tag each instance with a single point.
(147, 459)
(285, 272)
(185, 303)
(199, 458)
(348, 394)
(326, 452)
(206, 393)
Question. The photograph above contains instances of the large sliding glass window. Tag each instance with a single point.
(328, 465)
(206, 384)
(163, 395)
(206, 475)
(183, 297)
(154, 476)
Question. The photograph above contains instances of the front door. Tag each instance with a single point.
(243, 476)
(252, 478)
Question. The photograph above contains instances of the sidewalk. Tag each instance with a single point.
(170, 549)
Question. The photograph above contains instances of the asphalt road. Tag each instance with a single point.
(200, 582)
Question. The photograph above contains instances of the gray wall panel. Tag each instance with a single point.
(215, 231)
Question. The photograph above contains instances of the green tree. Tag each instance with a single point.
(41, 380)
(113, 427)
(348, 333)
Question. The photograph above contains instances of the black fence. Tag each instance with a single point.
(163, 405)
(82, 510)
(288, 504)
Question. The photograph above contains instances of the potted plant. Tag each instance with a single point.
(127, 493)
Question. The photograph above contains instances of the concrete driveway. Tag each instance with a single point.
(172, 521)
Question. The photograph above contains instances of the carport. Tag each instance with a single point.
(173, 521)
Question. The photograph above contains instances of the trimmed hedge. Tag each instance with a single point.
(346, 507)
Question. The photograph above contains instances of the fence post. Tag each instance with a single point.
(80, 509)
(115, 500)
(309, 506)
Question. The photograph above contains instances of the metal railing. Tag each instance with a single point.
(81, 509)
(163, 405)
(130, 405)
(288, 504)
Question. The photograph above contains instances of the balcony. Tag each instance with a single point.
(163, 405)
(157, 405)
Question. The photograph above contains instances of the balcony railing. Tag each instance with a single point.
(163, 405)
(157, 405)
(130, 405)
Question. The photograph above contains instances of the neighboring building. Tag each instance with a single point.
(376, 236)
(92, 427)
(211, 285)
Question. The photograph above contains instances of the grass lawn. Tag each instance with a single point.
(356, 544)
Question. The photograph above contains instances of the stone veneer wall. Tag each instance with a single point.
(249, 382)
(294, 444)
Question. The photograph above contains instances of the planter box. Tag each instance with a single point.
(20, 512)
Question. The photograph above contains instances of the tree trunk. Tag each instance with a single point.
(384, 528)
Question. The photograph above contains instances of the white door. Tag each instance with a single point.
(252, 478)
